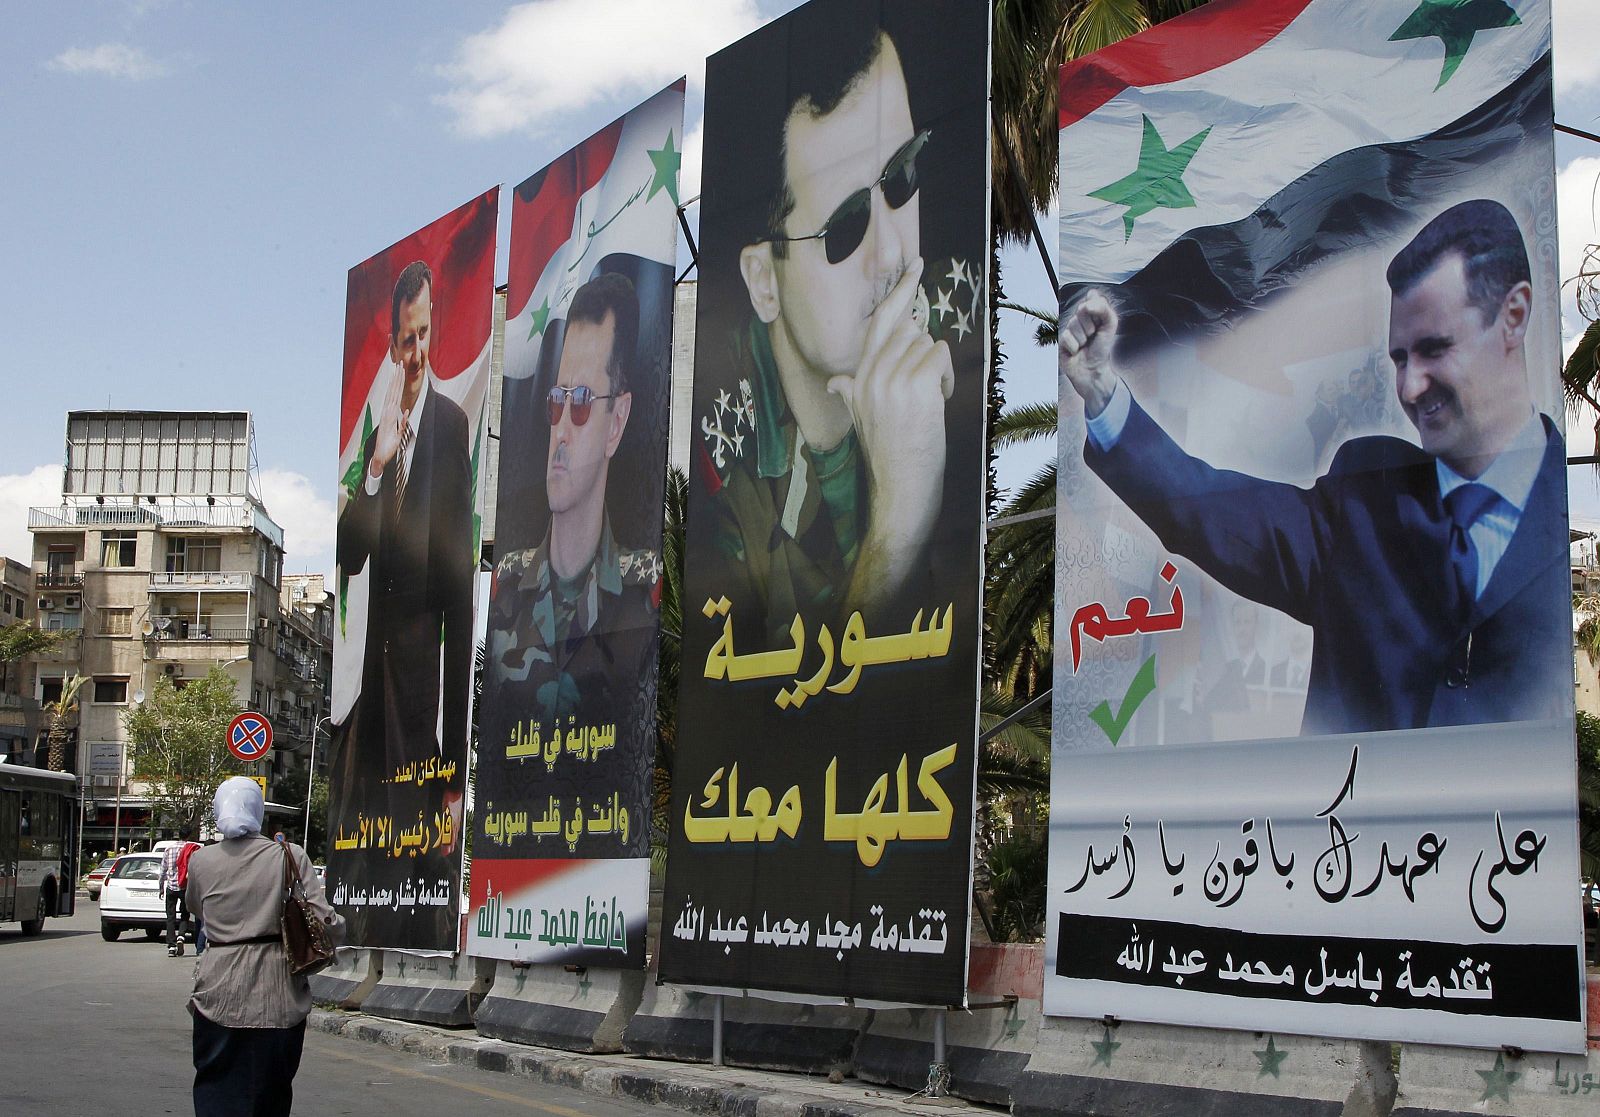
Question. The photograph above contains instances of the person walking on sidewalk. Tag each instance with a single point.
(249, 1011)
(173, 860)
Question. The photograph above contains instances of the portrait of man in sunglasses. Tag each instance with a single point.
(829, 462)
(571, 620)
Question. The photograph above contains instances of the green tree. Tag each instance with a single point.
(62, 715)
(290, 789)
(1589, 794)
(179, 746)
(677, 501)
(20, 639)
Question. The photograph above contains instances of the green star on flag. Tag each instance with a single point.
(1271, 1059)
(1497, 1081)
(666, 161)
(1157, 182)
(540, 318)
(1454, 23)
(1104, 1048)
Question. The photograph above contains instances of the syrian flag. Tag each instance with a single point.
(1221, 158)
(459, 248)
(615, 192)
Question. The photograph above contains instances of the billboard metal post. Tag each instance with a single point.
(716, 1030)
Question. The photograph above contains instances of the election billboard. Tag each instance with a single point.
(567, 744)
(820, 836)
(1313, 761)
(418, 322)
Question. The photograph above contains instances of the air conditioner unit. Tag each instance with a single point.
(70, 601)
(171, 669)
(46, 603)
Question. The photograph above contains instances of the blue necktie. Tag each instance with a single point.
(1465, 505)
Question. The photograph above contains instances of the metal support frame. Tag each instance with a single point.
(1033, 219)
(716, 1029)
(1031, 705)
(688, 237)
(1579, 132)
(939, 1071)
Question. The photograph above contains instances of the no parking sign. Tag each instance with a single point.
(250, 736)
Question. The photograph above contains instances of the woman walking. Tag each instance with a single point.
(249, 1011)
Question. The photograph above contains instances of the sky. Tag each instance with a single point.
(187, 184)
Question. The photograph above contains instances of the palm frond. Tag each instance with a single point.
(1025, 423)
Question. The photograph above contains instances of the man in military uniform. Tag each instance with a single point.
(827, 464)
(572, 621)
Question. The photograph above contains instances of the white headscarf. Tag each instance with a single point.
(238, 807)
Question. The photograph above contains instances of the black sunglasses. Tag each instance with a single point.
(847, 226)
(582, 403)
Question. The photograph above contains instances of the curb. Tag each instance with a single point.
(693, 1089)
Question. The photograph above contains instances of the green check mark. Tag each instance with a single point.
(1143, 683)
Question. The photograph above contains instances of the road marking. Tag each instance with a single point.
(485, 1091)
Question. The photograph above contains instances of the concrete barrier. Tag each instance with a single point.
(987, 1048)
(1453, 1080)
(675, 1023)
(428, 990)
(1084, 1067)
(547, 1005)
(348, 979)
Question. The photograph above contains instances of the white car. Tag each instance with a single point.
(131, 897)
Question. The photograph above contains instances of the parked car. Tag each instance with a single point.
(131, 897)
(97, 876)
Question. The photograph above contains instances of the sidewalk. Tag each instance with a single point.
(693, 1087)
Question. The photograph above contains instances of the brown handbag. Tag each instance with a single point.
(306, 941)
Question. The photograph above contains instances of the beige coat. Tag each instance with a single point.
(236, 887)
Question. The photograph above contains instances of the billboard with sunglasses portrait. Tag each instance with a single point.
(820, 833)
(561, 827)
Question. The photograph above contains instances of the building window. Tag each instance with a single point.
(58, 621)
(8, 604)
(117, 549)
(116, 622)
(194, 554)
(111, 691)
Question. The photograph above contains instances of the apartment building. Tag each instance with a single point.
(159, 560)
(19, 711)
(304, 648)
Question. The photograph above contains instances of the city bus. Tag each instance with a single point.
(40, 813)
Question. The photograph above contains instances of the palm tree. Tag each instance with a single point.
(58, 713)
(1032, 39)
(677, 501)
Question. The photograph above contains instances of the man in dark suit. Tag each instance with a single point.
(1434, 579)
(411, 520)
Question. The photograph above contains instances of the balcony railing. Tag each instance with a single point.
(57, 580)
(167, 511)
(190, 633)
(201, 580)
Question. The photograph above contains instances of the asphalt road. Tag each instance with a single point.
(90, 1027)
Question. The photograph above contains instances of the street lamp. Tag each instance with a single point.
(311, 775)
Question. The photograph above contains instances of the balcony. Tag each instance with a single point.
(235, 580)
(67, 650)
(77, 512)
(199, 633)
(58, 580)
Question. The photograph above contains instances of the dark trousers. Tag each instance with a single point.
(176, 914)
(245, 1072)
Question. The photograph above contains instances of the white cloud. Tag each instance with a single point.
(694, 143)
(553, 56)
(1576, 24)
(307, 519)
(1578, 212)
(112, 60)
(40, 487)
